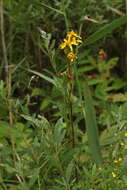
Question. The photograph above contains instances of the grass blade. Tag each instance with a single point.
(91, 126)
(51, 8)
(50, 80)
(106, 30)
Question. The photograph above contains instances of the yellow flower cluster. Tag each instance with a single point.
(72, 39)
(125, 134)
(117, 161)
(113, 174)
(121, 143)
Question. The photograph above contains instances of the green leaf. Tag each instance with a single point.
(105, 30)
(85, 68)
(45, 103)
(107, 136)
(59, 132)
(51, 8)
(43, 76)
(69, 172)
(4, 129)
(39, 122)
(34, 176)
(91, 126)
(92, 82)
(37, 92)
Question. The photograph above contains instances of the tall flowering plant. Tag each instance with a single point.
(69, 44)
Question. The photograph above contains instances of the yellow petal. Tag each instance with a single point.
(62, 45)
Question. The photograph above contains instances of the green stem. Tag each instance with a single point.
(70, 93)
(78, 83)
(126, 34)
(66, 21)
(126, 5)
(71, 123)
(7, 72)
(6, 65)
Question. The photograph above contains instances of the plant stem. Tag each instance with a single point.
(70, 93)
(126, 34)
(4, 44)
(6, 64)
(71, 123)
(7, 71)
(126, 5)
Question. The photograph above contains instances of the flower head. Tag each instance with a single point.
(117, 161)
(121, 143)
(71, 56)
(72, 39)
(113, 174)
(120, 159)
(125, 134)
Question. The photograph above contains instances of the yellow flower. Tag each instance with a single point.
(115, 161)
(121, 143)
(72, 33)
(72, 39)
(113, 174)
(125, 134)
(71, 56)
(66, 43)
(63, 44)
(120, 159)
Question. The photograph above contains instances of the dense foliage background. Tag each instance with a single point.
(35, 151)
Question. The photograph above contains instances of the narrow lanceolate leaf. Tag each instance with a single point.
(108, 28)
(51, 8)
(50, 80)
(91, 126)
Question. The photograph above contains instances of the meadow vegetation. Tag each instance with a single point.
(63, 95)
